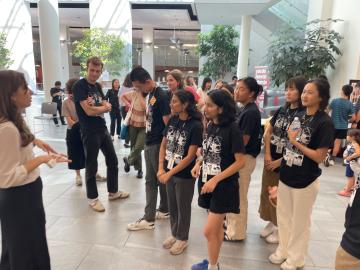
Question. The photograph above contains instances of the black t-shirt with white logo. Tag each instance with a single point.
(280, 122)
(82, 89)
(317, 131)
(180, 136)
(351, 238)
(250, 124)
(157, 106)
(219, 146)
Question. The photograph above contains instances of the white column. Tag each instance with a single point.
(15, 22)
(65, 56)
(49, 43)
(147, 60)
(243, 57)
(114, 17)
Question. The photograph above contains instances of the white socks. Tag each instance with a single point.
(213, 267)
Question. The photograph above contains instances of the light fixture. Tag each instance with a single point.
(166, 70)
(172, 47)
(190, 72)
(190, 45)
(156, 47)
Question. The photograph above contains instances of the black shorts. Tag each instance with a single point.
(340, 134)
(224, 199)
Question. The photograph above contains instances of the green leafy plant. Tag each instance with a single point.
(109, 47)
(5, 60)
(308, 50)
(218, 46)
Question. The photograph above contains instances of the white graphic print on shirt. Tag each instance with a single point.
(212, 158)
(96, 100)
(293, 156)
(278, 137)
(175, 147)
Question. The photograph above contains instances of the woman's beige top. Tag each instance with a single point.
(137, 118)
(13, 157)
(68, 110)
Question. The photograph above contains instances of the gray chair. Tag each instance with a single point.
(48, 110)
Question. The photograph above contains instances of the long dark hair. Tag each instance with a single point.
(205, 81)
(323, 88)
(191, 109)
(10, 82)
(225, 101)
(299, 83)
(112, 83)
(253, 86)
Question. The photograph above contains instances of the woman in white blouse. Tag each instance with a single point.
(22, 215)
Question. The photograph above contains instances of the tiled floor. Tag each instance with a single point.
(82, 239)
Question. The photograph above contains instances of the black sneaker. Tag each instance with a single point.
(127, 165)
(139, 174)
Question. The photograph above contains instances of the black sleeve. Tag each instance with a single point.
(275, 116)
(107, 95)
(197, 134)
(237, 144)
(325, 135)
(80, 93)
(52, 92)
(165, 104)
(248, 123)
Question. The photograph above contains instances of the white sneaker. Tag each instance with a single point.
(97, 206)
(100, 178)
(178, 247)
(78, 180)
(169, 242)
(276, 258)
(161, 215)
(119, 195)
(287, 266)
(331, 162)
(273, 238)
(269, 228)
(141, 224)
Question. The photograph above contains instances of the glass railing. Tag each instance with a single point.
(293, 12)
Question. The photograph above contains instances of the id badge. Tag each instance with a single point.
(289, 162)
(204, 173)
(352, 197)
(279, 148)
(170, 164)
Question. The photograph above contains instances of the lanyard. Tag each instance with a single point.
(209, 140)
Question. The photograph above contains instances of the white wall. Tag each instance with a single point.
(15, 21)
(348, 64)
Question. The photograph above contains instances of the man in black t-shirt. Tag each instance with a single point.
(56, 94)
(90, 107)
(157, 116)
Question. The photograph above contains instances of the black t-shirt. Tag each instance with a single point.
(250, 124)
(157, 106)
(112, 96)
(317, 131)
(180, 136)
(82, 89)
(219, 146)
(54, 91)
(351, 238)
(280, 122)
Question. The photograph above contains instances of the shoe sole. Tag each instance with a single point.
(119, 198)
(277, 262)
(141, 229)
(169, 246)
(97, 210)
(179, 252)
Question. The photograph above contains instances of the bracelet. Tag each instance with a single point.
(200, 159)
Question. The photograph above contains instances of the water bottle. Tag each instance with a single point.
(296, 124)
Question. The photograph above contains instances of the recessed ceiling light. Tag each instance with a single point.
(156, 47)
(172, 47)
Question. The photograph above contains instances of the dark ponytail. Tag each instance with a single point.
(253, 86)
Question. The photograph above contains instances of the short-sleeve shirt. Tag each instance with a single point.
(317, 131)
(280, 122)
(180, 135)
(82, 89)
(250, 124)
(157, 106)
(219, 146)
(68, 110)
(341, 109)
(54, 91)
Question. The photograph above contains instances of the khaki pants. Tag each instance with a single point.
(266, 210)
(345, 261)
(294, 208)
(237, 223)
